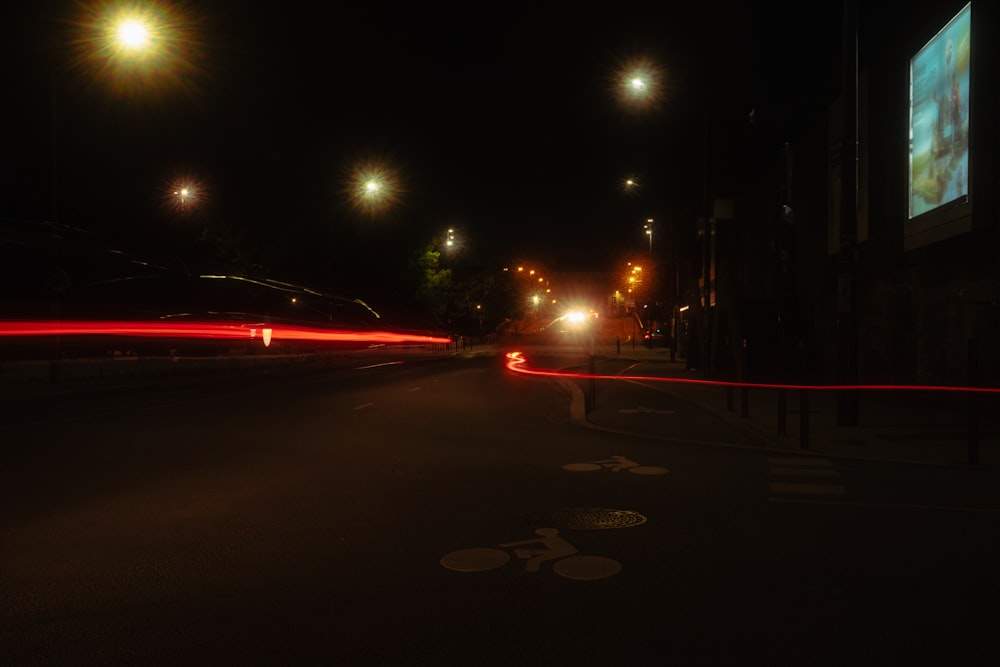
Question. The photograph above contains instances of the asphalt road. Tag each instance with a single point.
(452, 513)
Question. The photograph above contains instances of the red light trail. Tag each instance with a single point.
(207, 330)
(518, 364)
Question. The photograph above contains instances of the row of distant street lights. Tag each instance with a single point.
(140, 40)
(640, 86)
(136, 47)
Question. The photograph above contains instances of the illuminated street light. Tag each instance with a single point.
(640, 84)
(183, 194)
(373, 187)
(137, 47)
(132, 34)
(649, 232)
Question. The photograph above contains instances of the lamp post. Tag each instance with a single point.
(120, 38)
(641, 88)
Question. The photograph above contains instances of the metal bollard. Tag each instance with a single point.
(782, 412)
(804, 418)
(743, 378)
(593, 382)
(973, 401)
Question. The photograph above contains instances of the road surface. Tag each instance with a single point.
(450, 512)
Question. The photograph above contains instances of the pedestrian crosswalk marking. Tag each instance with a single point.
(791, 470)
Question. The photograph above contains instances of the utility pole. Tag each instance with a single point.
(847, 288)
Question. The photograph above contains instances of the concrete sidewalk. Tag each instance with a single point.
(912, 426)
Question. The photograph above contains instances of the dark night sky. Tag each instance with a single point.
(500, 119)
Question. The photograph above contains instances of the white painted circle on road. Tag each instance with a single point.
(476, 559)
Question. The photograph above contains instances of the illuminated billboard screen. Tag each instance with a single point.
(939, 118)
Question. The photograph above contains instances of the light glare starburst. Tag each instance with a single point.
(136, 47)
(184, 194)
(639, 83)
(373, 187)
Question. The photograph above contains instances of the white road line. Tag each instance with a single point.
(386, 363)
(363, 406)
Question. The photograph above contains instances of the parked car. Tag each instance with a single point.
(656, 338)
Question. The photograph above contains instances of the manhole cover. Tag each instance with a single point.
(588, 518)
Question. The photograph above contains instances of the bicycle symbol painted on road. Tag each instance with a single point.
(616, 464)
(549, 546)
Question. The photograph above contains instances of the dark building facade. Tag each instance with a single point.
(907, 289)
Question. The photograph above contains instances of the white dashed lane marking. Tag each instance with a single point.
(793, 477)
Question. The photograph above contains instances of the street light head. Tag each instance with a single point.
(184, 194)
(137, 47)
(639, 84)
(373, 187)
(132, 34)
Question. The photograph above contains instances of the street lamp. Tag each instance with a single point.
(373, 187)
(640, 83)
(184, 193)
(137, 46)
(642, 87)
(132, 34)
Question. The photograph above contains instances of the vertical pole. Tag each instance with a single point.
(804, 418)
(56, 281)
(782, 412)
(745, 391)
(847, 412)
(593, 382)
(973, 353)
(705, 333)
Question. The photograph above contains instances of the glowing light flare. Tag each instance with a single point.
(184, 194)
(132, 34)
(518, 364)
(373, 187)
(639, 83)
(136, 47)
(220, 330)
